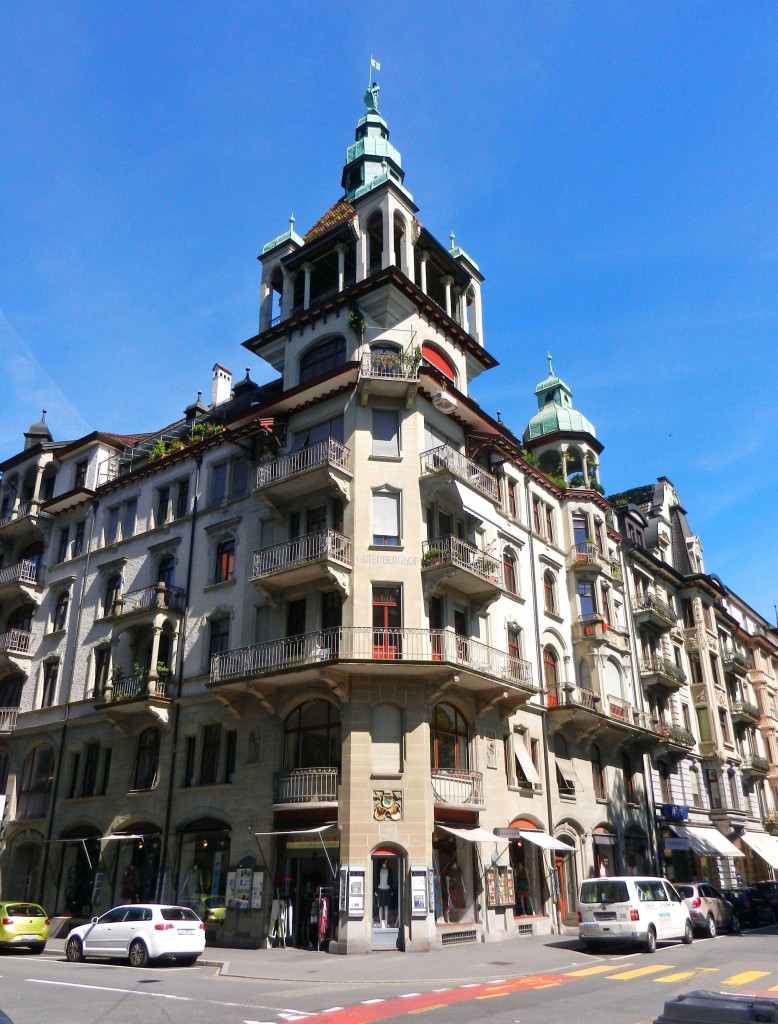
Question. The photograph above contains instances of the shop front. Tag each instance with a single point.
(201, 862)
(81, 886)
(761, 856)
(131, 858)
(544, 874)
(387, 868)
(454, 873)
(605, 851)
(696, 852)
(24, 873)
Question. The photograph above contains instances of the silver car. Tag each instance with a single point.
(140, 932)
(709, 910)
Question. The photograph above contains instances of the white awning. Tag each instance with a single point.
(707, 842)
(545, 841)
(297, 831)
(478, 506)
(764, 845)
(568, 773)
(524, 758)
(472, 835)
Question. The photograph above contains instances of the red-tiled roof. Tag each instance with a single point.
(338, 214)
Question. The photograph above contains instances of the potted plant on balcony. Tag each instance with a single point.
(432, 556)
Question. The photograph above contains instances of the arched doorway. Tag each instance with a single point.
(202, 862)
(567, 876)
(387, 873)
(78, 875)
(24, 875)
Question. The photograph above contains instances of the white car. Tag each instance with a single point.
(141, 932)
(642, 910)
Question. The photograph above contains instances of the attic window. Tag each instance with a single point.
(432, 357)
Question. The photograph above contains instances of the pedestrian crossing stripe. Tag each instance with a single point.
(639, 972)
(585, 972)
(745, 977)
(684, 975)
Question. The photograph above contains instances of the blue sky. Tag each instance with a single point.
(610, 166)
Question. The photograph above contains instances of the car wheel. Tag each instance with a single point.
(688, 934)
(74, 950)
(139, 955)
(649, 946)
(38, 947)
(710, 926)
(734, 925)
(187, 961)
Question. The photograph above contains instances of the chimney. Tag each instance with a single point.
(221, 386)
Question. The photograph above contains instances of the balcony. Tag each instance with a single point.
(453, 788)
(307, 786)
(745, 712)
(150, 599)
(454, 563)
(677, 735)
(649, 610)
(137, 693)
(754, 767)
(663, 673)
(22, 520)
(734, 662)
(587, 558)
(8, 718)
(431, 651)
(15, 578)
(389, 373)
(447, 460)
(15, 641)
(590, 628)
(325, 464)
(581, 714)
(314, 557)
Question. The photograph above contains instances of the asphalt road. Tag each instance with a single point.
(614, 988)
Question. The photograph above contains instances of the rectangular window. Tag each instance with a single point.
(75, 760)
(536, 518)
(565, 777)
(220, 637)
(386, 517)
(387, 622)
(316, 519)
(386, 433)
(724, 724)
(526, 772)
(190, 746)
(218, 483)
(62, 547)
(182, 498)
(80, 477)
(129, 513)
(112, 524)
(209, 759)
(225, 561)
(91, 763)
(513, 500)
(106, 771)
(50, 676)
(163, 506)
(78, 540)
(549, 524)
(239, 482)
(714, 791)
(230, 754)
(586, 598)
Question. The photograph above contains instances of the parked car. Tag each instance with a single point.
(140, 932)
(632, 909)
(770, 892)
(212, 910)
(709, 910)
(750, 906)
(24, 925)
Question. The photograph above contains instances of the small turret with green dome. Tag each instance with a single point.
(562, 439)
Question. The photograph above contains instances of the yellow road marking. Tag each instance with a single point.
(425, 1009)
(683, 975)
(745, 977)
(640, 972)
(493, 995)
(586, 971)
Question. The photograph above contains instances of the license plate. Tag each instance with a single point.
(26, 938)
(186, 931)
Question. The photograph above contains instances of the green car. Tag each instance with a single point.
(23, 924)
(212, 910)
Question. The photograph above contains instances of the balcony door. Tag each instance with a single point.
(387, 622)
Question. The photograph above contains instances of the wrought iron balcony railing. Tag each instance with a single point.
(448, 459)
(307, 785)
(734, 660)
(364, 643)
(313, 547)
(328, 452)
(753, 764)
(391, 365)
(26, 571)
(16, 641)
(745, 710)
(459, 788)
(156, 596)
(136, 686)
(8, 717)
(664, 668)
(453, 551)
(587, 555)
(654, 604)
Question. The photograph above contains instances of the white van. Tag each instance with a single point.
(626, 909)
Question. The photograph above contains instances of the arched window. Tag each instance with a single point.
(113, 593)
(386, 361)
(694, 782)
(584, 675)
(165, 572)
(61, 611)
(375, 235)
(432, 357)
(449, 740)
(549, 592)
(146, 760)
(551, 676)
(323, 358)
(35, 784)
(509, 571)
(312, 736)
(598, 775)
(22, 618)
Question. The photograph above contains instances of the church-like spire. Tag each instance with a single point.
(555, 409)
(372, 159)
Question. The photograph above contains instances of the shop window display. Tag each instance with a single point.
(203, 861)
(454, 882)
(527, 863)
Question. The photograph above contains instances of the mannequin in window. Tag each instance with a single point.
(383, 894)
(129, 884)
(193, 883)
(523, 893)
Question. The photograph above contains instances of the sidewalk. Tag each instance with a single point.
(454, 965)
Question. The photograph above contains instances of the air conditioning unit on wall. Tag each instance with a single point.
(444, 402)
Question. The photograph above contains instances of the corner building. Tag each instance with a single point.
(340, 653)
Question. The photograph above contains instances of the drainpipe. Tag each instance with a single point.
(554, 888)
(66, 706)
(163, 860)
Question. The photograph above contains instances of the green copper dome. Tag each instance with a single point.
(555, 410)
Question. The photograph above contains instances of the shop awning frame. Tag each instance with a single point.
(706, 842)
(545, 841)
(766, 846)
(318, 829)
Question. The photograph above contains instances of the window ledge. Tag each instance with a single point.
(56, 632)
(386, 775)
(386, 547)
(602, 800)
(553, 615)
(384, 458)
(221, 583)
(568, 798)
(526, 790)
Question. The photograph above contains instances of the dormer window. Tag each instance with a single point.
(80, 477)
(322, 358)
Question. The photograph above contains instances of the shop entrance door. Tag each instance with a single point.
(387, 923)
